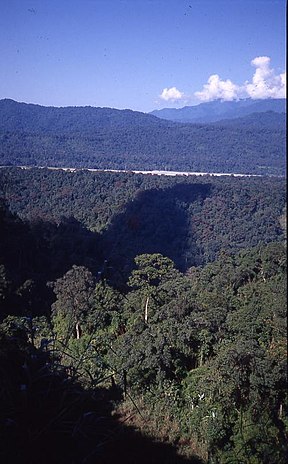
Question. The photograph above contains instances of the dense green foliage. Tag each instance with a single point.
(189, 219)
(267, 120)
(121, 139)
(165, 295)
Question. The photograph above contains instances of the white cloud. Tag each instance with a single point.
(265, 84)
(171, 94)
(218, 89)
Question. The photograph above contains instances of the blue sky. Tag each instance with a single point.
(141, 54)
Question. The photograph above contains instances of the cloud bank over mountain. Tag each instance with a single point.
(265, 84)
(218, 89)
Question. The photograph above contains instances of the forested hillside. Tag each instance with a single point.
(31, 118)
(143, 245)
(142, 318)
(189, 219)
(268, 120)
(121, 139)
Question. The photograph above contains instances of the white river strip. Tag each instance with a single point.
(153, 172)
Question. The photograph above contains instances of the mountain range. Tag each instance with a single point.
(27, 117)
(107, 138)
(219, 110)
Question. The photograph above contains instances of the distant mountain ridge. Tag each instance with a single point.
(28, 117)
(32, 118)
(107, 138)
(218, 110)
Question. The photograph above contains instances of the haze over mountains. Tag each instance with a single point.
(219, 110)
(245, 137)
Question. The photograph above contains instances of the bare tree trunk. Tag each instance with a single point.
(146, 310)
(78, 330)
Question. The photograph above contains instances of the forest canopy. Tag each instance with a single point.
(137, 308)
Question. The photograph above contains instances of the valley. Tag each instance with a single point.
(142, 288)
(106, 138)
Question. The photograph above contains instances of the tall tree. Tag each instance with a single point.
(73, 292)
(150, 271)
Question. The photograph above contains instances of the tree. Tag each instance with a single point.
(105, 305)
(73, 292)
(151, 270)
